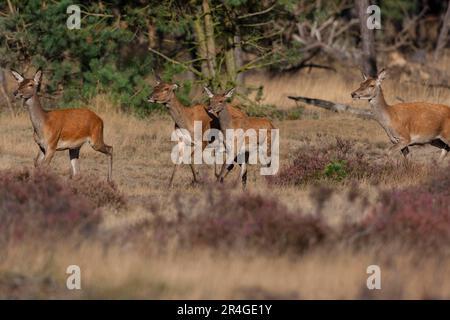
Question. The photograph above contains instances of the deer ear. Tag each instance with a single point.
(17, 76)
(38, 76)
(175, 86)
(381, 76)
(208, 92)
(229, 93)
(158, 79)
(363, 75)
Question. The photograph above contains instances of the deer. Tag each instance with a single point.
(406, 124)
(184, 118)
(63, 129)
(219, 107)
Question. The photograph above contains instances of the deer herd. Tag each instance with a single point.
(406, 124)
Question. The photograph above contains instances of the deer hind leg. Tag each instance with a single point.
(243, 173)
(108, 150)
(180, 155)
(222, 175)
(74, 155)
(99, 145)
(444, 145)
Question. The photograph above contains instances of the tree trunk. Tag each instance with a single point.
(442, 40)
(151, 34)
(210, 42)
(238, 60)
(230, 61)
(368, 58)
(4, 90)
(202, 51)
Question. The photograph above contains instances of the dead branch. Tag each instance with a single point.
(442, 40)
(325, 38)
(333, 106)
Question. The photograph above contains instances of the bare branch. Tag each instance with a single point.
(257, 13)
(193, 70)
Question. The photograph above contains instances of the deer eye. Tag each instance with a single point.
(30, 85)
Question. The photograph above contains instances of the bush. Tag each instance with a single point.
(335, 162)
(99, 192)
(241, 222)
(39, 204)
(417, 216)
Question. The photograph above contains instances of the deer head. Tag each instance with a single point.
(162, 92)
(26, 87)
(370, 87)
(218, 101)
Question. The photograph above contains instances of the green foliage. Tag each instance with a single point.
(335, 170)
(396, 9)
(98, 58)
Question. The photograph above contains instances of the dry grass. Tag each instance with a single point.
(36, 269)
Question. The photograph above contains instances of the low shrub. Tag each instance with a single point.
(244, 221)
(39, 204)
(99, 192)
(417, 216)
(334, 162)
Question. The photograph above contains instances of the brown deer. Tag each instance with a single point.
(407, 124)
(60, 130)
(184, 117)
(219, 107)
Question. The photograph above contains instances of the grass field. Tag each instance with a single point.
(199, 257)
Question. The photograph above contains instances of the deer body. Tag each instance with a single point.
(407, 124)
(58, 130)
(223, 110)
(184, 117)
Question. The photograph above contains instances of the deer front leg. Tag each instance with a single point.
(401, 146)
(74, 155)
(49, 153)
(40, 156)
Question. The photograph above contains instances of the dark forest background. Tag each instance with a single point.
(122, 43)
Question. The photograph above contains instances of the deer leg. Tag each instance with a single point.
(195, 172)
(243, 174)
(405, 152)
(401, 146)
(40, 156)
(172, 175)
(179, 160)
(49, 153)
(108, 150)
(229, 168)
(444, 145)
(74, 155)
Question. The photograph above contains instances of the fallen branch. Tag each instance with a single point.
(333, 106)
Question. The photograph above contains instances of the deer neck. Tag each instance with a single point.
(37, 114)
(379, 107)
(225, 119)
(178, 112)
(382, 114)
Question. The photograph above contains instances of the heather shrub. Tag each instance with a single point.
(413, 216)
(243, 221)
(439, 181)
(99, 192)
(335, 162)
(39, 204)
